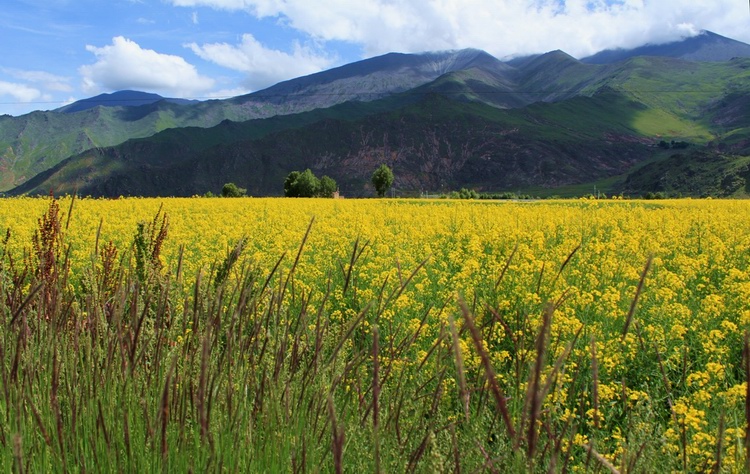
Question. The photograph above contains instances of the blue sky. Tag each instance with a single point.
(53, 52)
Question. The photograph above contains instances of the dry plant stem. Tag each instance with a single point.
(602, 460)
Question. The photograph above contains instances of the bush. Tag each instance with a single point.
(232, 190)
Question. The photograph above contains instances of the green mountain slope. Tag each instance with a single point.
(34, 142)
(537, 122)
(436, 143)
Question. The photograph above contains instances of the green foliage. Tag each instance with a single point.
(382, 179)
(306, 184)
(290, 184)
(327, 187)
(694, 173)
(464, 193)
(173, 376)
(232, 190)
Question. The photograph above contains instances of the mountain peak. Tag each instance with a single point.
(706, 46)
(124, 98)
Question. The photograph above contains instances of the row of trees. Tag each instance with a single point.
(306, 184)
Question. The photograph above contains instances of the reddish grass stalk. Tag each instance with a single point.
(376, 394)
(464, 393)
(746, 357)
(505, 268)
(716, 469)
(39, 422)
(337, 445)
(488, 464)
(489, 372)
(631, 313)
(595, 382)
(164, 410)
(533, 392)
(565, 264)
(203, 418)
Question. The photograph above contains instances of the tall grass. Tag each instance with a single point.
(246, 372)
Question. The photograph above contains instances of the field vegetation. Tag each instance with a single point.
(313, 335)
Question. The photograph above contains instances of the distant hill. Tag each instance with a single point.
(119, 99)
(706, 46)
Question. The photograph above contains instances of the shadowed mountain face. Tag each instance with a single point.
(706, 46)
(442, 120)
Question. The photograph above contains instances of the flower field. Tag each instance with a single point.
(276, 335)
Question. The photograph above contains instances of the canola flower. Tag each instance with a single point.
(669, 379)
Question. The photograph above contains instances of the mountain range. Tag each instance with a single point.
(673, 118)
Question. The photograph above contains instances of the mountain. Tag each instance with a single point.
(435, 143)
(706, 46)
(447, 119)
(118, 99)
(587, 123)
(37, 141)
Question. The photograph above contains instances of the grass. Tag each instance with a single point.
(246, 369)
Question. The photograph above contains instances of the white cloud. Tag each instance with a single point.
(227, 93)
(263, 66)
(46, 80)
(580, 27)
(195, 18)
(19, 92)
(125, 65)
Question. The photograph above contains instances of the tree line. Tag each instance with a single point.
(306, 184)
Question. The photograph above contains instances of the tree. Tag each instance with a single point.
(232, 190)
(327, 187)
(382, 179)
(307, 184)
(290, 189)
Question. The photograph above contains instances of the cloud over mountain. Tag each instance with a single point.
(264, 66)
(580, 27)
(125, 65)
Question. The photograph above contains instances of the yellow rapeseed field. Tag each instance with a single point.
(673, 373)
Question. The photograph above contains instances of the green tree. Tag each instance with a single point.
(232, 190)
(327, 187)
(290, 189)
(304, 184)
(382, 179)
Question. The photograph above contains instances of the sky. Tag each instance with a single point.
(53, 52)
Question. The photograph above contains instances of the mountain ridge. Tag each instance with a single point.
(398, 81)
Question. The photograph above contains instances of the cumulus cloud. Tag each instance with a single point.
(125, 65)
(580, 27)
(263, 66)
